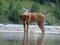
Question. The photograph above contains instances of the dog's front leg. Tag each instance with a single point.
(27, 26)
(24, 24)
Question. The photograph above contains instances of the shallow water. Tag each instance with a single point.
(14, 38)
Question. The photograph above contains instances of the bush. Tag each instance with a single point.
(3, 19)
(14, 10)
(35, 8)
(14, 17)
(52, 20)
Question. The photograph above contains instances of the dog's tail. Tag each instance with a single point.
(48, 14)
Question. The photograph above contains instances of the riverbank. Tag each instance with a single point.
(32, 28)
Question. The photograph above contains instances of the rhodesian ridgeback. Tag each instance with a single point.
(28, 18)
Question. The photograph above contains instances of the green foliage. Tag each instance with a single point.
(3, 19)
(14, 17)
(40, 1)
(10, 10)
(14, 11)
(35, 7)
(3, 6)
(57, 15)
(52, 20)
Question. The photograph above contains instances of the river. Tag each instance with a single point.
(13, 34)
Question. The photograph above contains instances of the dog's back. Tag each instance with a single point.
(34, 17)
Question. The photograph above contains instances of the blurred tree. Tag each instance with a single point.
(14, 17)
(14, 11)
(35, 8)
(57, 12)
(3, 8)
(54, 1)
(40, 1)
(10, 10)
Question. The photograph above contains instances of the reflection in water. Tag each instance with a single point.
(12, 38)
(28, 41)
(40, 40)
(25, 38)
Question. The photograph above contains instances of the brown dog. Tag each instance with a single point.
(28, 18)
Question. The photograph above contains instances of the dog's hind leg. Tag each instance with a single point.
(41, 25)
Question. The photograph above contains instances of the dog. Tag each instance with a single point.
(28, 18)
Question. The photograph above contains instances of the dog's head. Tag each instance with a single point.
(24, 17)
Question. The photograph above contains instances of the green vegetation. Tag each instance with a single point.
(10, 10)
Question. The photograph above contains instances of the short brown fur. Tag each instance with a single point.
(33, 17)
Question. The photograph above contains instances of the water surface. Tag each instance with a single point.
(19, 38)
